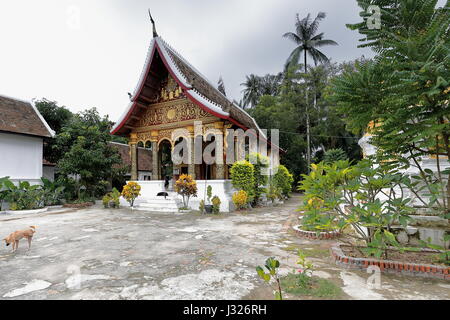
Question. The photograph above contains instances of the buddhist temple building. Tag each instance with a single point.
(171, 99)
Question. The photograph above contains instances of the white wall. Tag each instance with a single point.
(21, 157)
(221, 188)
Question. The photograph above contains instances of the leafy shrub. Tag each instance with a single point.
(105, 200)
(242, 177)
(23, 196)
(260, 176)
(112, 199)
(363, 196)
(240, 199)
(131, 191)
(53, 192)
(283, 180)
(3, 191)
(209, 193)
(273, 192)
(334, 155)
(216, 204)
(186, 187)
(272, 266)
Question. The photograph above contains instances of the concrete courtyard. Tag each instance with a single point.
(97, 253)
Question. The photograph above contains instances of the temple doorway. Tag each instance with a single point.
(166, 164)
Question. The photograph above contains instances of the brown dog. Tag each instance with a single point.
(18, 235)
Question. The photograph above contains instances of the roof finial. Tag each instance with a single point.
(155, 34)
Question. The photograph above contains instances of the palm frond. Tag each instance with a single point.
(314, 26)
(292, 36)
(321, 43)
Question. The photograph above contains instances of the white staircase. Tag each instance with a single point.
(170, 203)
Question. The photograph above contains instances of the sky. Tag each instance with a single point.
(84, 53)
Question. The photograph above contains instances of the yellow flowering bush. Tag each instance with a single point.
(187, 188)
(131, 191)
(240, 199)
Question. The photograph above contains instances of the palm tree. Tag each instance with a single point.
(270, 84)
(252, 91)
(308, 42)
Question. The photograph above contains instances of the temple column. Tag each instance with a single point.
(220, 164)
(155, 169)
(133, 156)
(191, 142)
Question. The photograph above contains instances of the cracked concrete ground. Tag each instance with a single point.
(122, 254)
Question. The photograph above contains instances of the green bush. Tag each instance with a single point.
(242, 178)
(334, 155)
(23, 196)
(53, 192)
(216, 204)
(240, 199)
(283, 180)
(273, 192)
(112, 199)
(3, 191)
(260, 165)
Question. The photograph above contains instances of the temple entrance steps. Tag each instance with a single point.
(170, 203)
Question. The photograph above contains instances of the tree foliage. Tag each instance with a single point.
(260, 174)
(283, 180)
(86, 152)
(57, 117)
(403, 94)
(186, 186)
(243, 177)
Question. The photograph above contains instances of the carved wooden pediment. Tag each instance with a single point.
(171, 112)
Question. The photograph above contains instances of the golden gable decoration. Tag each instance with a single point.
(163, 113)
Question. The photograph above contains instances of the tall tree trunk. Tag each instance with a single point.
(308, 135)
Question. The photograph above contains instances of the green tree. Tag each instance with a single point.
(334, 155)
(308, 41)
(86, 152)
(404, 93)
(252, 90)
(260, 174)
(56, 117)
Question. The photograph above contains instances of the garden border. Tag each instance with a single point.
(316, 235)
(24, 212)
(390, 266)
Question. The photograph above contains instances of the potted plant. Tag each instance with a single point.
(209, 206)
(216, 204)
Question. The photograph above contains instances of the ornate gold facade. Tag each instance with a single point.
(171, 112)
(162, 121)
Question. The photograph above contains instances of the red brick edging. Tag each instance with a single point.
(389, 266)
(316, 235)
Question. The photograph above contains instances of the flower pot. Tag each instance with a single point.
(209, 208)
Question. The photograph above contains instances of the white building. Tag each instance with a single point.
(22, 132)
